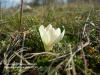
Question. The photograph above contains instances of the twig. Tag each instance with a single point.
(84, 34)
(37, 54)
(73, 65)
(60, 57)
(22, 58)
(84, 59)
(21, 13)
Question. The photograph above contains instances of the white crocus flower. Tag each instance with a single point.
(50, 36)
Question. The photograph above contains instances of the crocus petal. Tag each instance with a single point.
(41, 30)
(54, 34)
(51, 32)
(49, 27)
(44, 35)
(60, 36)
(46, 38)
(58, 32)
